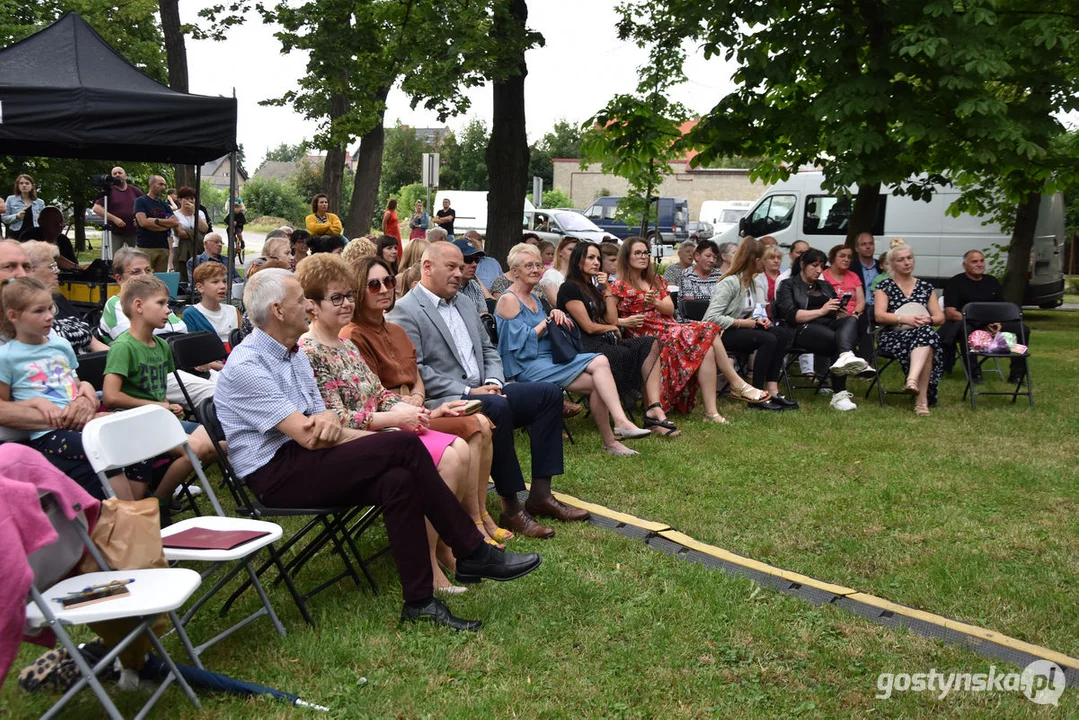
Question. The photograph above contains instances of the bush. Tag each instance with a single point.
(269, 197)
(555, 198)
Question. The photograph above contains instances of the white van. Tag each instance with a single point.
(470, 209)
(723, 214)
(798, 209)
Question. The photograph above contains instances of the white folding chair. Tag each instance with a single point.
(151, 593)
(132, 436)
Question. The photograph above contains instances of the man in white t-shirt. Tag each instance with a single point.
(210, 315)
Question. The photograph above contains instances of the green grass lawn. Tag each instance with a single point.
(971, 515)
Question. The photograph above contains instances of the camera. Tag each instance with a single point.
(104, 181)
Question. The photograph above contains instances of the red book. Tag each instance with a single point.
(207, 539)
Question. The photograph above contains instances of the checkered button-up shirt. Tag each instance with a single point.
(262, 384)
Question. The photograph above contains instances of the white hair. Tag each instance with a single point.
(517, 254)
(437, 234)
(263, 290)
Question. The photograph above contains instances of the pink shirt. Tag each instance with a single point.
(850, 283)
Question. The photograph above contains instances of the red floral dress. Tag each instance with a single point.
(684, 344)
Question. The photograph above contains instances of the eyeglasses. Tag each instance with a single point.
(389, 282)
(640, 253)
(53, 267)
(532, 266)
(337, 299)
(472, 260)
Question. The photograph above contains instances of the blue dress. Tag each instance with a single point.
(527, 358)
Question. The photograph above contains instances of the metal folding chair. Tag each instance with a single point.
(192, 350)
(151, 594)
(337, 527)
(132, 436)
(978, 315)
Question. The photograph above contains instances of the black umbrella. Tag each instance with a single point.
(205, 680)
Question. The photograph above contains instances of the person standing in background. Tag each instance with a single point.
(121, 200)
(419, 222)
(23, 208)
(391, 225)
(445, 218)
(154, 219)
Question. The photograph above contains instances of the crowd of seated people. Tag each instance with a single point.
(340, 348)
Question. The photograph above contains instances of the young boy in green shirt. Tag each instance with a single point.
(137, 371)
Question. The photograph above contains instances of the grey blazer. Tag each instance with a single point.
(441, 369)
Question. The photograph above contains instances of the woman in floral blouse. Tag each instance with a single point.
(350, 389)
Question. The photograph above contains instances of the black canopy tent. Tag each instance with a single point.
(65, 92)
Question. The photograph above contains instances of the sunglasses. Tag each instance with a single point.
(389, 282)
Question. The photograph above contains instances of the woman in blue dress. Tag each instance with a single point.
(525, 347)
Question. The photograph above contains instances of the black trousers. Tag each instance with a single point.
(770, 345)
(389, 469)
(830, 337)
(536, 405)
(951, 334)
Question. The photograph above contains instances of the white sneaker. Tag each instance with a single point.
(848, 364)
(842, 401)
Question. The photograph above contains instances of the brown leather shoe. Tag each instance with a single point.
(550, 507)
(571, 409)
(524, 524)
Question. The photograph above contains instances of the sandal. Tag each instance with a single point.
(911, 388)
(500, 534)
(717, 419)
(664, 427)
(749, 394)
(626, 452)
(921, 410)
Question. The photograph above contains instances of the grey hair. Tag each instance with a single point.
(263, 290)
(437, 234)
(966, 255)
(213, 236)
(40, 252)
(518, 251)
(691, 244)
(125, 255)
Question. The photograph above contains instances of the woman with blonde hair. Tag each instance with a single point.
(907, 309)
(691, 352)
(737, 306)
(408, 261)
(524, 342)
(354, 393)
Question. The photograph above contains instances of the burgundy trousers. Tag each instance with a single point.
(389, 469)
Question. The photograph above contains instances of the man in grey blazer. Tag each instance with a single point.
(457, 360)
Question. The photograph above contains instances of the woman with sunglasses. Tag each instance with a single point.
(691, 352)
(349, 388)
(390, 354)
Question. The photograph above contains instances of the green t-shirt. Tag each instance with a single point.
(145, 369)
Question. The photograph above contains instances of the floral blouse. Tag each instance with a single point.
(347, 385)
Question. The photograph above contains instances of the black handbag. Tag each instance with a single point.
(565, 344)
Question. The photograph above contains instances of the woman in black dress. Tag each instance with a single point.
(634, 361)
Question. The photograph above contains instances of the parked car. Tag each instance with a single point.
(723, 214)
(556, 223)
(699, 230)
(673, 216)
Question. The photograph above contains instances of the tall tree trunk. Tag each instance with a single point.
(368, 176)
(864, 212)
(333, 169)
(1026, 222)
(176, 56)
(507, 149)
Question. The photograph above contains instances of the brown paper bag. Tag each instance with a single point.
(128, 534)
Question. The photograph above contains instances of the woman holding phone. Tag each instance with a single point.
(390, 354)
(809, 307)
(847, 284)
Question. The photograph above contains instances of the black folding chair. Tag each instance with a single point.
(977, 315)
(881, 361)
(236, 336)
(336, 526)
(806, 383)
(92, 368)
(694, 308)
(192, 350)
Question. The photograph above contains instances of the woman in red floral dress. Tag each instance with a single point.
(638, 302)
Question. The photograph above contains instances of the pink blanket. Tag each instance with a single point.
(24, 527)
